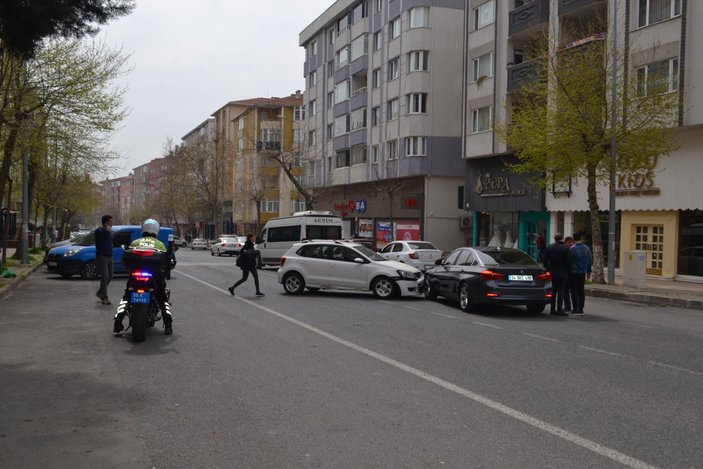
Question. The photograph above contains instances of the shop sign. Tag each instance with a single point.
(410, 202)
(354, 206)
(365, 228)
(384, 233)
(638, 183)
(408, 231)
(491, 185)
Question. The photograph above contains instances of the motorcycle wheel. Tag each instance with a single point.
(138, 321)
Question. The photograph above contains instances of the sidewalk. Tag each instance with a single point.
(22, 271)
(657, 292)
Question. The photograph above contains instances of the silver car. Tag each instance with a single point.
(198, 243)
(227, 245)
(419, 254)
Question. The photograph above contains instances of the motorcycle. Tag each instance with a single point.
(142, 307)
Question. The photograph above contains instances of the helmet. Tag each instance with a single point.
(150, 227)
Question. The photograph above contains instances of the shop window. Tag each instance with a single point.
(690, 255)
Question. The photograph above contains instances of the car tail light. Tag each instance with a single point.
(413, 255)
(545, 276)
(548, 295)
(283, 260)
(490, 275)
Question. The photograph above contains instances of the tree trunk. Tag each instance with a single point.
(8, 150)
(596, 238)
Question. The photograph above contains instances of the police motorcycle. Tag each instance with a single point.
(142, 305)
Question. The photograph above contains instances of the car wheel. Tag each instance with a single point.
(89, 271)
(293, 283)
(383, 287)
(465, 299)
(430, 294)
(535, 308)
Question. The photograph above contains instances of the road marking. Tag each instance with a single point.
(486, 325)
(540, 337)
(559, 432)
(410, 307)
(443, 315)
(674, 367)
(598, 350)
(646, 326)
(402, 306)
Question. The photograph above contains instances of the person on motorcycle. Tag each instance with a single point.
(150, 230)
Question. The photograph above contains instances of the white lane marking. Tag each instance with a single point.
(402, 306)
(646, 326)
(443, 315)
(590, 445)
(674, 367)
(598, 350)
(540, 337)
(486, 325)
(410, 307)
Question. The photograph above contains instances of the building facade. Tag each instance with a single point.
(383, 118)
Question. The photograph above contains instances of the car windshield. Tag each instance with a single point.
(505, 257)
(422, 245)
(85, 240)
(373, 255)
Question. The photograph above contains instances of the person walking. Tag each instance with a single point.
(247, 262)
(103, 257)
(580, 265)
(556, 261)
(569, 241)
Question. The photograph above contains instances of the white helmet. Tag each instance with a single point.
(150, 227)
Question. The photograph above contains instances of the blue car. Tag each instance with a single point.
(79, 258)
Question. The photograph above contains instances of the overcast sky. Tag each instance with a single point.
(191, 57)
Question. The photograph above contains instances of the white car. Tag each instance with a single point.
(228, 245)
(420, 254)
(343, 265)
(198, 243)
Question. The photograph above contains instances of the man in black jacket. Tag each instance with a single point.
(556, 261)
(103, 257)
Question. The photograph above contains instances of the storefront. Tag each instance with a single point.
(508, 211)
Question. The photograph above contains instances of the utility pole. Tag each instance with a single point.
(613, 147)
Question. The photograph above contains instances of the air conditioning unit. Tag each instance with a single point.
(465, 221)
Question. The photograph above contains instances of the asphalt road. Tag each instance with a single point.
(333, 379)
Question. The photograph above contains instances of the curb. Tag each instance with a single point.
(4, 291)
(647, 298)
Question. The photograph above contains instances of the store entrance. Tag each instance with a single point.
(650, 238)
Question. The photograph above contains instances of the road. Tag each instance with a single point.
(334, 379)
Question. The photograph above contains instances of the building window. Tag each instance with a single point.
(269, 136)
(298, 136)
(312, 78)
(484, 15)
(313, 107)
(312, 49)
(241, 144)
(311, 138)
(330, 99)
(341, 125)
(342, 158)
(653, 11)
(241, 123)
(417, 103)
(341, 92)
(330, 68)
(393, 109)
(360, 11)
(359, 47)
(298, 205)
(358, 154)
(483, 66)
(376, 78)
(415, 146)
(658, 77)
(420, 17)
(269, 206)
(358, 119)
(342, 24)
(481, 119)
(330, 36)
(375, 116)
(392, 147)
(377, 40)
(393, 69)
(377, 5)
(330, 131)
(299, 113)
(342, 56)
(374, 154)
(417, 61)
(394, 28)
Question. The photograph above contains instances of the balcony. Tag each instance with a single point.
(580, 7)
(520, 74)
(525, 18)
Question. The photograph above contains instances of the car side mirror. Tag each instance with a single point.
(359, 260)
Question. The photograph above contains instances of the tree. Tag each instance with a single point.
(560, 122)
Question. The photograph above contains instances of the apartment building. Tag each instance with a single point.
(268, 135)
(384, 118)
(658, 211)
(117, 197)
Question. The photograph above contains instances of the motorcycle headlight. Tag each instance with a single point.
(406, 275)
(72, 252)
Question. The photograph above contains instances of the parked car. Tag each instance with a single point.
(198, 243)
(180, 242)
(342, 265)
(489, 275)
(420, 254)
(79, 257)
(229, 245)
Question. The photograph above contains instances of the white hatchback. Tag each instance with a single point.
(342, 265)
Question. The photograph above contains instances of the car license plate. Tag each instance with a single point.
(52, 263)
(140, 297)
(520, 278)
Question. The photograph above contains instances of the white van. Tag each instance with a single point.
(279, 234)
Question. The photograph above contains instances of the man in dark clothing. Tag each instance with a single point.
(247, 262)
(103, 257)
(556, 261)
(580, 265)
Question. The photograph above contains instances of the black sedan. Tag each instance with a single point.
(489, 275)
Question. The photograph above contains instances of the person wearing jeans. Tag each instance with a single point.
(103, 257)
(580, 265)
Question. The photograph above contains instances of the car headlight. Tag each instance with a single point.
(72, 252)
(406, 275)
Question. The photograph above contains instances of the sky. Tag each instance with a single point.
(191, 57)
